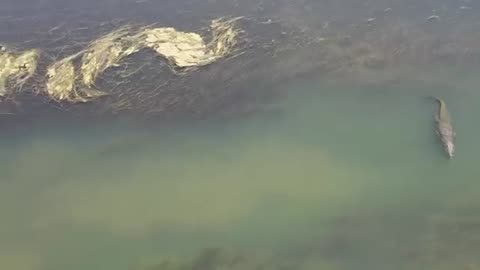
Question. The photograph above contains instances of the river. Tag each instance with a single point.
(338, 176)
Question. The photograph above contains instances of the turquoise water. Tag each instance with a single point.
(342, 176)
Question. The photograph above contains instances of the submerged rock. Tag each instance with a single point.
(374, 62)
(220, 258)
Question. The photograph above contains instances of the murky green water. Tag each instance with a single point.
(345, 177)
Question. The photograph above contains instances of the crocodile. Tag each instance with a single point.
(444, 128)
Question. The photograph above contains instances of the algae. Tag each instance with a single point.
(225, 36)
(186, 50)
(61, 79)
(106, 52)
(67, 82)
(16, 68)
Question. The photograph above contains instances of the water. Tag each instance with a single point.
(345, 177)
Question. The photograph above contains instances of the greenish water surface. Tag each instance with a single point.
(341, 177)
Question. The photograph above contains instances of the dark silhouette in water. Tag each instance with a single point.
(444, 128)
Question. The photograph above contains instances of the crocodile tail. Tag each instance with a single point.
(437, 99)
(430, 97)
(434, 98)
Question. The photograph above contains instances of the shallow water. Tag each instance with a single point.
(343, 177)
